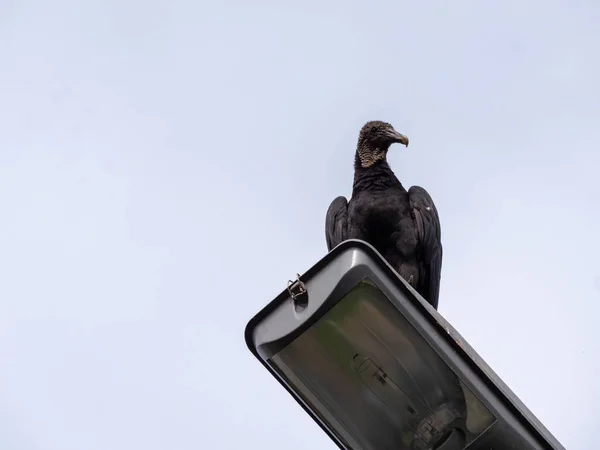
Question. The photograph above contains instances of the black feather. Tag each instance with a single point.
(403, 226)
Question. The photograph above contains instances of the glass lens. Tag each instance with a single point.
(377, 383)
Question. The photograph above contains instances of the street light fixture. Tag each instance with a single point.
(378, 368)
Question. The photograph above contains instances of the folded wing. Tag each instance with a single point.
(336, 222)
(430, 245)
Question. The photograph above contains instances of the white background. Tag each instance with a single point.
(165, 167)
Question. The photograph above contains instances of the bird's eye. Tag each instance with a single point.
(373, 130)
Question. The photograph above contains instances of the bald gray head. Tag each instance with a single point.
(374, 141)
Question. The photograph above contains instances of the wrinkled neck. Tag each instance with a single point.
(378, 176)
(367, 154)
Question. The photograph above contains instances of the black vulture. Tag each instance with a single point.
(402, 225)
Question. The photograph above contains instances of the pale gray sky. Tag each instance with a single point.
(165, 167)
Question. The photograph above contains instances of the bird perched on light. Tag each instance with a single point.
(402, 225)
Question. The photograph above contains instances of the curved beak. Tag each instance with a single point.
(397, 137)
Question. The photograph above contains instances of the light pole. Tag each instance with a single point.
(378, 368)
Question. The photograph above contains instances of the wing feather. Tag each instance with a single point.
(429, 234)
(336, 222)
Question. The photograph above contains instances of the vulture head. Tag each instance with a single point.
(374, 141)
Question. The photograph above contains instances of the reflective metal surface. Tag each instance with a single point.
(376, 382)
(377, 367)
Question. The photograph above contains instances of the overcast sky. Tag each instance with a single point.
(165, 168)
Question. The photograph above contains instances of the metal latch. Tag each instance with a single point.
(298, 292)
